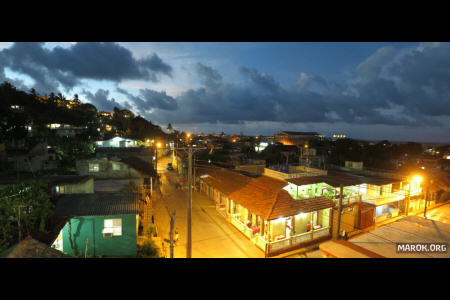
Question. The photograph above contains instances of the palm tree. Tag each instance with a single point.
(33, 92)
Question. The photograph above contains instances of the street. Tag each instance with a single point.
(440, 213)
(212, 235)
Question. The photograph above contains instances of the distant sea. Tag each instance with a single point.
(429, 144)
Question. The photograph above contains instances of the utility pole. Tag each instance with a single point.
(189, 204)
(407, 201)
(171, 241)
(172, 223)
(339, 211)
(426, 199)
(189, 208)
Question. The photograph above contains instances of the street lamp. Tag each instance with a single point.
(158, 145)
(417, 179)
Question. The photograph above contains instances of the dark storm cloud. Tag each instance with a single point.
(150, 99)
(33, 60)
(101, 101)
(66, 66)
(210, 77)
(386, 89)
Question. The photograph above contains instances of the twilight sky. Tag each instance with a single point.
(395, 91)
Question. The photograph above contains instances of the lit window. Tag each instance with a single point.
(112, 227)
(115, 167)
(93, 168)
(60, 189)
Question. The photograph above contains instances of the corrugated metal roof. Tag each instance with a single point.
(306, 180)
(140, 165)
(99, 204)
(66, 179)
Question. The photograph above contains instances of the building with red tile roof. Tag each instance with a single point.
(266, 212)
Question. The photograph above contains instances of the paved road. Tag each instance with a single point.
(212, 235)
(440, 213)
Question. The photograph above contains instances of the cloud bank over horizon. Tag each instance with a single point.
(403, 93)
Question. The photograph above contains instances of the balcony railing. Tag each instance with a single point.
(390, 197)
(297, 239)
(294, 173)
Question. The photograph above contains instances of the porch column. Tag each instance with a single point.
(293, 224)
(262, 227)
(312, 225)
(227, 207)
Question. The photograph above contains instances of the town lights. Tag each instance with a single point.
(158, 145)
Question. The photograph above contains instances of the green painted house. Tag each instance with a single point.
(101, 224)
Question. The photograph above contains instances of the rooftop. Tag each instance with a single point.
(98, 204)
(51, 180)
(31, 248)
(140, 165)
(263, 195)
(411, 229)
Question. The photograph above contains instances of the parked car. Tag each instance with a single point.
(169, 166)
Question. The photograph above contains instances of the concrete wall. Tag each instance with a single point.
(145, 154)
(106, 169)
(90, 228)
(253, 169)
(80, 188)
(32, 161)
(349, 218)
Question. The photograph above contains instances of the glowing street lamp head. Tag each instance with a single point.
(417, 178)
(188, 135)
(158, 145)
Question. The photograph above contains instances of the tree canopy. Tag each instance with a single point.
(33, 201)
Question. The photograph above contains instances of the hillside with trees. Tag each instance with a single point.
(38, 111)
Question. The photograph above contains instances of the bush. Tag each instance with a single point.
(149, 249)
